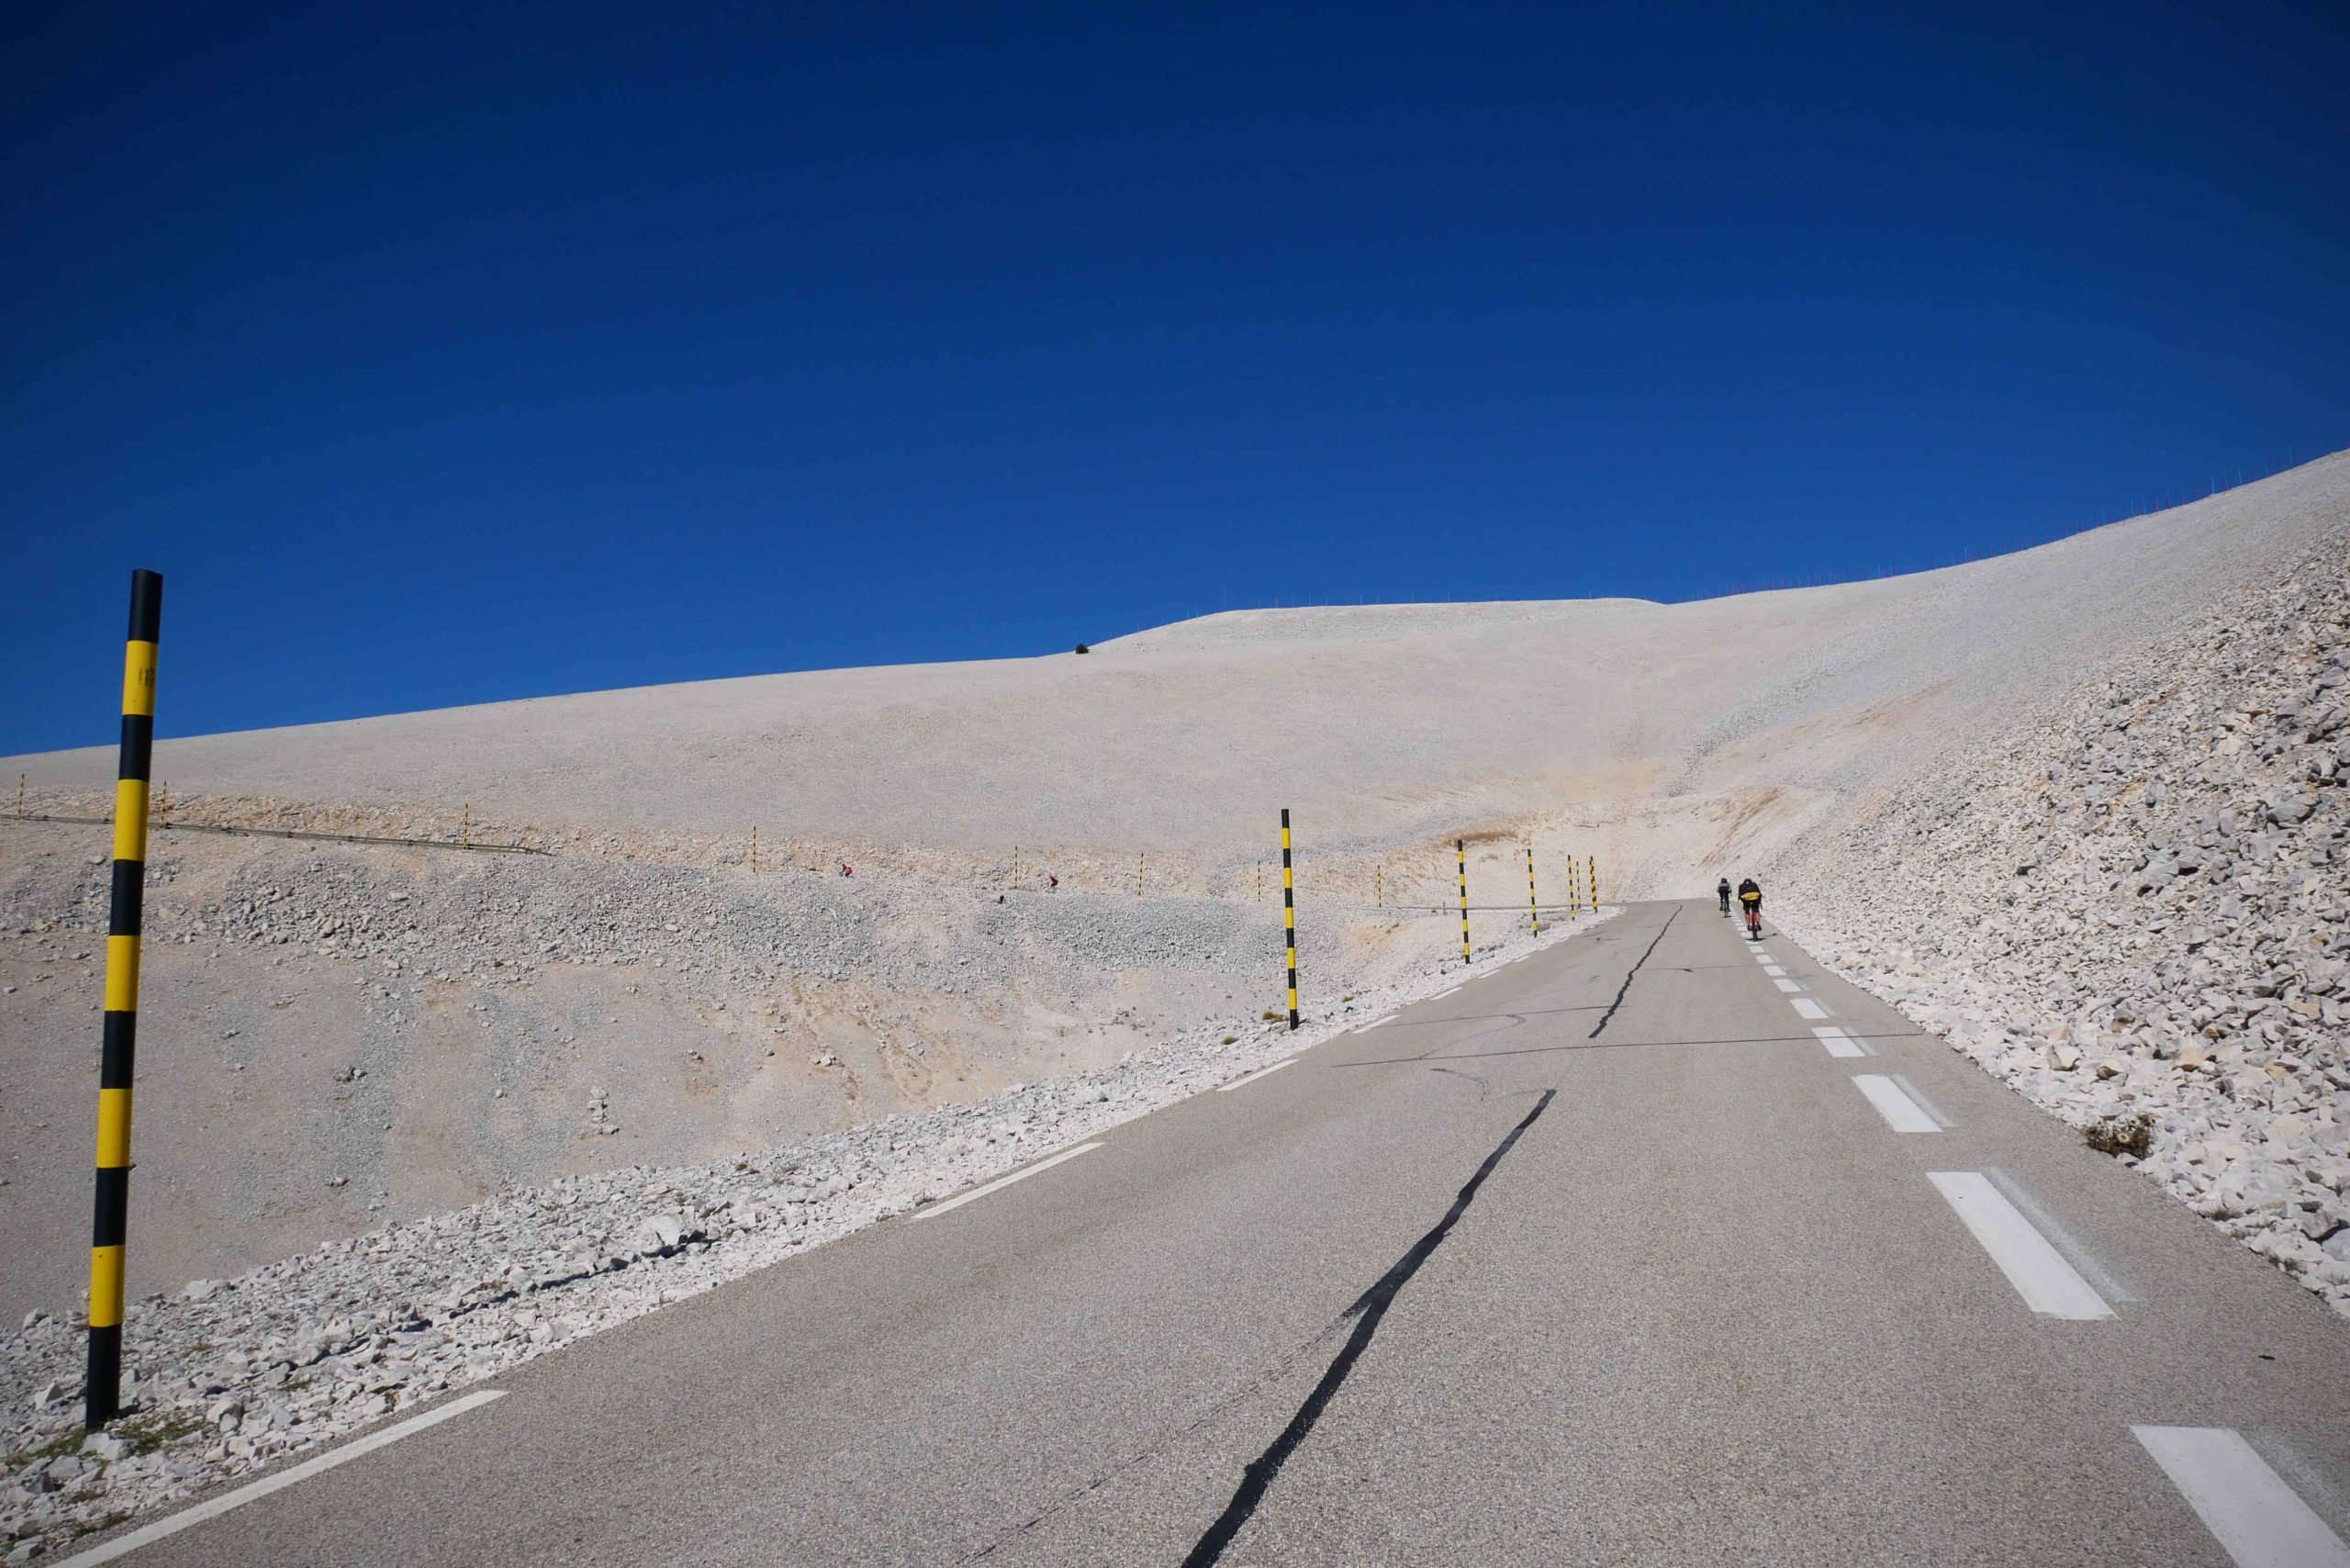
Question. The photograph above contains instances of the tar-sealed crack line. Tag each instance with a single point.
(1368, 1311)
(1627, 986)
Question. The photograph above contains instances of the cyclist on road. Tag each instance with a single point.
(1724, 892)
(1749, 894)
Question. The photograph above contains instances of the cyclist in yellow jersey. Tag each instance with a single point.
(1750, 895)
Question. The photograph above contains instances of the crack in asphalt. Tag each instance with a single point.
(1627, 986)
(1368, 1311)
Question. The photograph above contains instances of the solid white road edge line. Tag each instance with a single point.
(1902, 1113)
(2038, 1273)
(1001, 1181)
(1260, 1072)
(2247, 1506)
(148, 1534)
(1807, 1008)
(1838, 1044)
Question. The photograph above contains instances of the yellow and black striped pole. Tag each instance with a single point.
(1289, 918)
(1591, 881)
(1532, 908)
(1461, 850)
(102, 1391)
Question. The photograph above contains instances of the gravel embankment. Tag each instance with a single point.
(2137, 913)
(231, 1376)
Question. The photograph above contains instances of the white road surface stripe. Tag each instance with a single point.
(1902, 1113)
(1785, 984)
(1919, 1098)
(2247, 1506)
(1771, 968)
(1807, 1008)
(1002, 1181)
(1838, 1044)
(2038, 1273)
(1260, 1072)
(148, 1534)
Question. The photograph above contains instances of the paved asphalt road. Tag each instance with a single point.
(1602, 1258)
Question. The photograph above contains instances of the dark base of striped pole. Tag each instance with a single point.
(102, 1389)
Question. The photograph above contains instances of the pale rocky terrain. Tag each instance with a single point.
(439, 1108)
(2138, 913)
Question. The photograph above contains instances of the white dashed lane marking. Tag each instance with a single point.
(1807, 1008)
(1785, 984)
(1260, 1072)
(279, 1482)
(1002, 1181)
(2247, 1506)
(1902, 1113)
(1839, 1043)
(2038, 1273)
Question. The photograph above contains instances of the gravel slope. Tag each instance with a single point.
(2136, 909)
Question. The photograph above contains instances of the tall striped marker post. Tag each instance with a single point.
(1461, 850)
(102, 1390)
(1532, 908)
(1591, 881)
(1289, 918)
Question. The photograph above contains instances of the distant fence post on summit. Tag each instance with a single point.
(1460, 851)
(1289, 919)
(102, 1389)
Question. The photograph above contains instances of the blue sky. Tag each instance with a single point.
(440, 356)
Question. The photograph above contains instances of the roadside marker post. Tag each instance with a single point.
(1461, 850)
(102, 1388)
(755, 851)
(465, 824)
(1289, 919)
(1532, 908)
(1591, 881)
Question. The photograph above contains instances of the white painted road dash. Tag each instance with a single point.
(1807, 1008)
(2246, 1505)
(1260, 1072)
(1839, 1043)
(1002, 1181)
(2038, 1273)
(213, 1509)
(1902, 1113)
(1771, 968)
(1784, 983)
